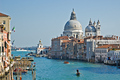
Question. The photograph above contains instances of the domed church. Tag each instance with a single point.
(73, 27)
(93, 29)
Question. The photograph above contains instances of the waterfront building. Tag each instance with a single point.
(89, 46)
(6, 63)
(71, 50)
(112, 57)
(93, 29)
(5, 20)
(64, 48)
(40, 49)
(90, 49)
(73, 27)
(79, 50)
(92, 44)
(101, 52)
(56, 47)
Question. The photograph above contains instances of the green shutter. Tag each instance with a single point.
(0, 49)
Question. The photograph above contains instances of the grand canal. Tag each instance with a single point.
(51, 69)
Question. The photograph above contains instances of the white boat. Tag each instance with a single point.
(21, 50)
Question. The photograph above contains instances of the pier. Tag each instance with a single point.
(22, 65)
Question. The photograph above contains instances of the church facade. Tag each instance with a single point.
(40, 49)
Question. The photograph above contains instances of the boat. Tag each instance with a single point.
(19, 71)
(16, 58)
(30, 68)
(27, 58)
(66, 62)
(21, 50)
(49, 57)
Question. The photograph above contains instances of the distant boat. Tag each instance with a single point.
(66, 62)
(21, 50)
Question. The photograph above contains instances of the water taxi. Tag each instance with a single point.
(66, 62)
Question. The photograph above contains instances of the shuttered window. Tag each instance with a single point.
(5, 44)
(2, 49)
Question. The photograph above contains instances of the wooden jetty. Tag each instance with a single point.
(21, 65)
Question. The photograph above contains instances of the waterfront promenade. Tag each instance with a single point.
(52, 69)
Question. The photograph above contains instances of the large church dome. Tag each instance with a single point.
(73, 27)
(73, 24)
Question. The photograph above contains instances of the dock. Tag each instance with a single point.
(22, 65)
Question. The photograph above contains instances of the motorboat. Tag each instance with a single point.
(66, 62)
(19, 71)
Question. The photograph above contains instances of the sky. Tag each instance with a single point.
(43, 20)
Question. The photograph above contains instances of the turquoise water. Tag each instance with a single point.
(50, 69)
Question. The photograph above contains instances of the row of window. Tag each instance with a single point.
(110, 54)
(3, 47)
(99, 55)
(100, 51)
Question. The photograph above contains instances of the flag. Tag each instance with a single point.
(13, 29)
(13, 42)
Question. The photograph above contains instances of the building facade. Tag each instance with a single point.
(40, 49)
(92, 44)
(100, 54)
(6, 64)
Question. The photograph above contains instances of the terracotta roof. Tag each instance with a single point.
(109, 46)
(93, 37)
(65, 41)
(108, 38)
(80, 41)
(62, 37)
(41, 48)
(3, 15)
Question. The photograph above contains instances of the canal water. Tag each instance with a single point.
(51, 69)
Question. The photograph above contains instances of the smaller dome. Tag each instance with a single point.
(90, 29)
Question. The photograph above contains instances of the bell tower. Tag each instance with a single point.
(40, 45)
(98, 28)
